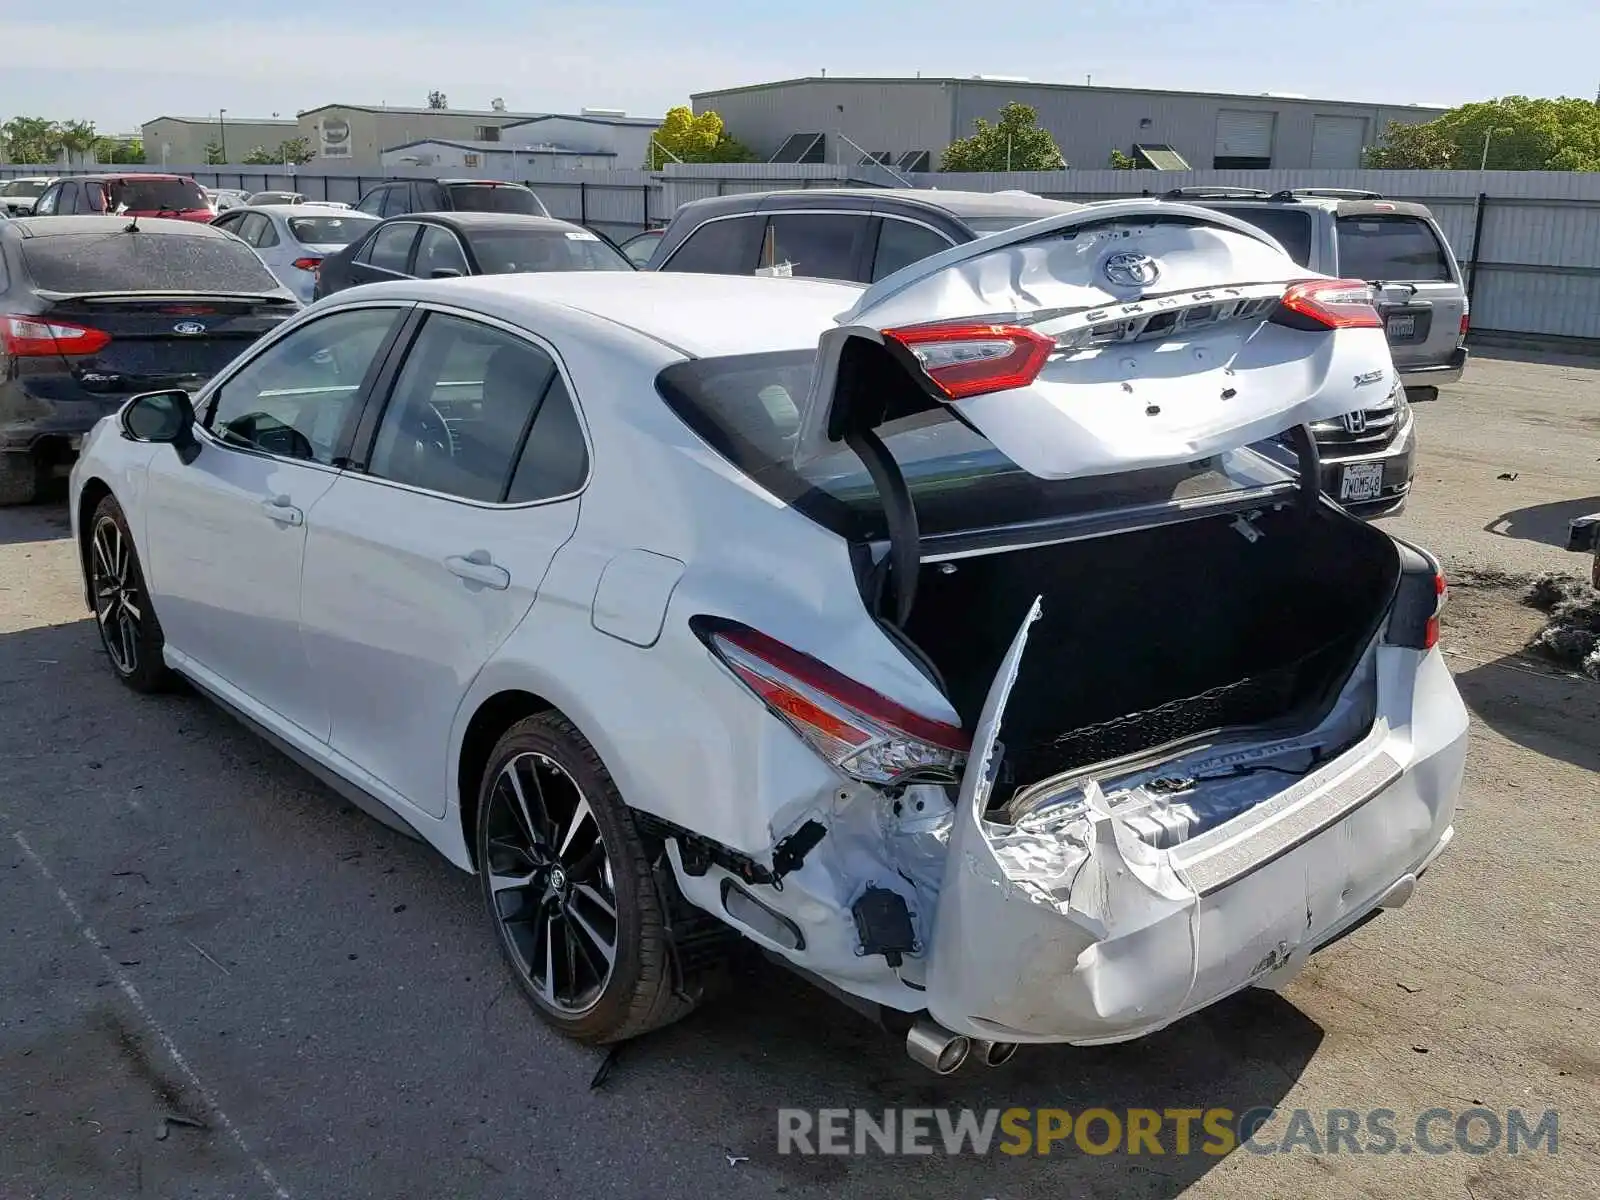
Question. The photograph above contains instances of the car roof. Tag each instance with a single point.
(1339, 206)
(485, 182)
(107, 176)
(303, 210)
(956, 203)
(701, 316)
(55, 226)
(465, 222)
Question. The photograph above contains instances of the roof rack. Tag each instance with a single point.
(1329, 193)
(1243, 193)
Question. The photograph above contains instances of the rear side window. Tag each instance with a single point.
(748, 408)
(1397, 248)
(900, 243)
(816, 245)
(145, 262)
(152, 195)
(397, 201)
(1292, 227)
(726, 247)
(469, 197)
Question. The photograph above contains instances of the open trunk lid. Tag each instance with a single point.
(1121, 336)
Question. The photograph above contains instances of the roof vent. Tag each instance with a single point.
(603, 112)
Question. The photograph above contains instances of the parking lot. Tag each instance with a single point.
(193, 928)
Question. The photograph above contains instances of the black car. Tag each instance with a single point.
(864, 234)
(401, 196)
(96, 309)
(859, 234)
(441, 245)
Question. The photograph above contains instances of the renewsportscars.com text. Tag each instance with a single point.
(1176, 1131)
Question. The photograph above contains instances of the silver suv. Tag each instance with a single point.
(1396, 246)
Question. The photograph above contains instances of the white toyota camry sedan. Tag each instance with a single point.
(978, 644)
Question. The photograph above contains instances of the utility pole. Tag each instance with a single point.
(222, 133)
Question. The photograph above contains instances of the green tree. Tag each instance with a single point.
(1014, 143)
(259, 156)
(124, 150)
(1513, 133)
(1122, 162)
(79, 139)
(437, 99)
(31, 140)
(214, 155)
(684, 137)
(295, 150)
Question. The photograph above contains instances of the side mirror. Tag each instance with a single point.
(164, 418)
(444, 273)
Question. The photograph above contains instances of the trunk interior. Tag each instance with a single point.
(1159, 635)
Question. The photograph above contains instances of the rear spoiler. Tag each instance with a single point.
(168, 297)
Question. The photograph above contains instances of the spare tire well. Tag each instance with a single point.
(494, 716)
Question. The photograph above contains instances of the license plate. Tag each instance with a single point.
(1402, 327)
(1361, 481)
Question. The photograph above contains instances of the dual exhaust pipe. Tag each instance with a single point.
(933, 1046)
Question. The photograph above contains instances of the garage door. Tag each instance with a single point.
(1337, 142)
(1245, 135)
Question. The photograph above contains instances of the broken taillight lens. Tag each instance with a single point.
(864, 734)
(1328, 304)
(973, 360)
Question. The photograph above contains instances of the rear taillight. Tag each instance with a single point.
(1441, 590)
(973, 360)
(1419, 600)
(308, 264)
(1328, 304)
(29, 337)
(865, 735)
(1466, 322)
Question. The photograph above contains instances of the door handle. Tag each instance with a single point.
(279, 509)
(479, 567)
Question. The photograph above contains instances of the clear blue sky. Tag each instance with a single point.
(122, 62)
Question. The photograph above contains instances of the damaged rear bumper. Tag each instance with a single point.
(1134, 938)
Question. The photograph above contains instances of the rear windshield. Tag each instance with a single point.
(145, 262)
(478, 197)
(276, 198)
(748, 408)
(150, 195)
(1292, 227)
(24, 187)
(1384, 248)
(506, 251)
(327, 231)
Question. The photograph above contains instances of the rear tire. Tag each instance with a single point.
(129, 630)
(19, 478)
(569, 889)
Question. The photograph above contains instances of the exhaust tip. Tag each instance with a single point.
(935, 1047)
(995, 1054)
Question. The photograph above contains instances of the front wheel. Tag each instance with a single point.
(569, 888)
(127, 621)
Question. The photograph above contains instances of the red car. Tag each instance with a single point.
(129, 194)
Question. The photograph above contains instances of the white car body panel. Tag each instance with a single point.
(349, 638)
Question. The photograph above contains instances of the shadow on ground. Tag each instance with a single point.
(45, 520)
(1546, 523)
(1523, 700)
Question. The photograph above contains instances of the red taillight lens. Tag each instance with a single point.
(1466, 321)
(1329, 304)
(973, 360)
(865, 735)
(308, 264)
(29, 337)
(1430, 637)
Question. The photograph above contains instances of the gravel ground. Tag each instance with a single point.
(192, 928)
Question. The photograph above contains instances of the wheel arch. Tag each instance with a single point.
(94, 491)
(489, 722)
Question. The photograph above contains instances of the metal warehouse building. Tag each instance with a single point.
(909, 122)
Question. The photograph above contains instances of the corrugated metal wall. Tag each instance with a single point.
(893, 116)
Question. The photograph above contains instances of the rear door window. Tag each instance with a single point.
(1291, 226)
(817, 245)
(397, 200)
(391, 249)
(145, 262)
(1402, 248)
(901, 243)
(439, 250)
(725, 247)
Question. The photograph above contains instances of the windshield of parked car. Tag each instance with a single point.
(24, 187)
(506, 251)
(145, 262)
(155, 195)
(328, 231)
(276, 198)
(748, 408)
(1291, 227)
(496, 198)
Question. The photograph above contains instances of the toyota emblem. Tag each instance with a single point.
(1130, 269)
(188, 328)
